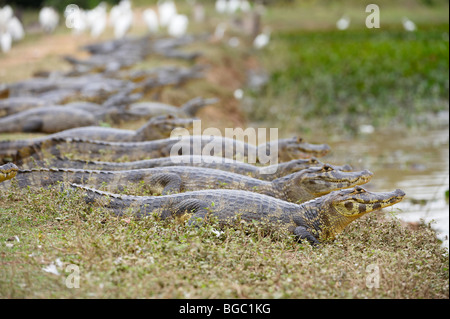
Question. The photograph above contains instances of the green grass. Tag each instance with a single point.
(376, 75)
(338, 80)
(134, 258)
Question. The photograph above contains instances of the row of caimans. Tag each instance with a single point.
(316, 201)
(196, 177)
(101, 88)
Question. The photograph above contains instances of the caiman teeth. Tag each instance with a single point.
(394, 200)
(7, 176)
(359, 179)
(363, 179)
(390, 201)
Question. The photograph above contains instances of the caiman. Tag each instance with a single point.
(157, 128)
(18, 104)
(297, 187)
(151, 109)
(49, 119)
(90, 82)
(52, 118)
(278, 151)
(112, 57)
(317, 220)
(175, 79)
(267, 173)
(85, 106)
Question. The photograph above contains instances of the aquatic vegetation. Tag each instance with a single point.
(375, 75)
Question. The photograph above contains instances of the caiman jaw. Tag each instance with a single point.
(346, 205)
(184, 124)
(360, 202)
(163, 127)
(328, 179)
(314, 149)
(8, 171)
(297, 148)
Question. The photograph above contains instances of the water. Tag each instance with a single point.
(415, 161)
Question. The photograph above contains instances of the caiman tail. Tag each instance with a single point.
(117, 204)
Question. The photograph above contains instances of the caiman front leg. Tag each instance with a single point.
(302, 233)
(165, 183)
(194, 209)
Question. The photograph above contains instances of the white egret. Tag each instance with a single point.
(221, 6)
(70, 8)
(233, 6)
(245, 6)
(343, 23)
(167, 10)
(151, 20)
(122, 7)
(408, 25)
(121, 18)
(97, 19)
(114, 14)
(11, 28)
(178, 25)
(5, 41)
(262, 39)
(48, 19)
(6, 13)
(123, 24)
(79, 21)
(15, 28)
(75, 18)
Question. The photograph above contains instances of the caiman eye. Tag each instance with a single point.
(313, 160)
(298, 139)
(359, 189)
(327, 168)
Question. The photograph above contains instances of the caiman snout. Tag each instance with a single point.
(346, 168)
(366, 174)
(399, 194)
(316, 149)
(8, 171)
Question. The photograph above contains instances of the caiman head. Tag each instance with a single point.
(339, 208)
(294, 166)
(296, 148)
(161, 127)
(8, 171)
(317, 181)
(191, 107)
